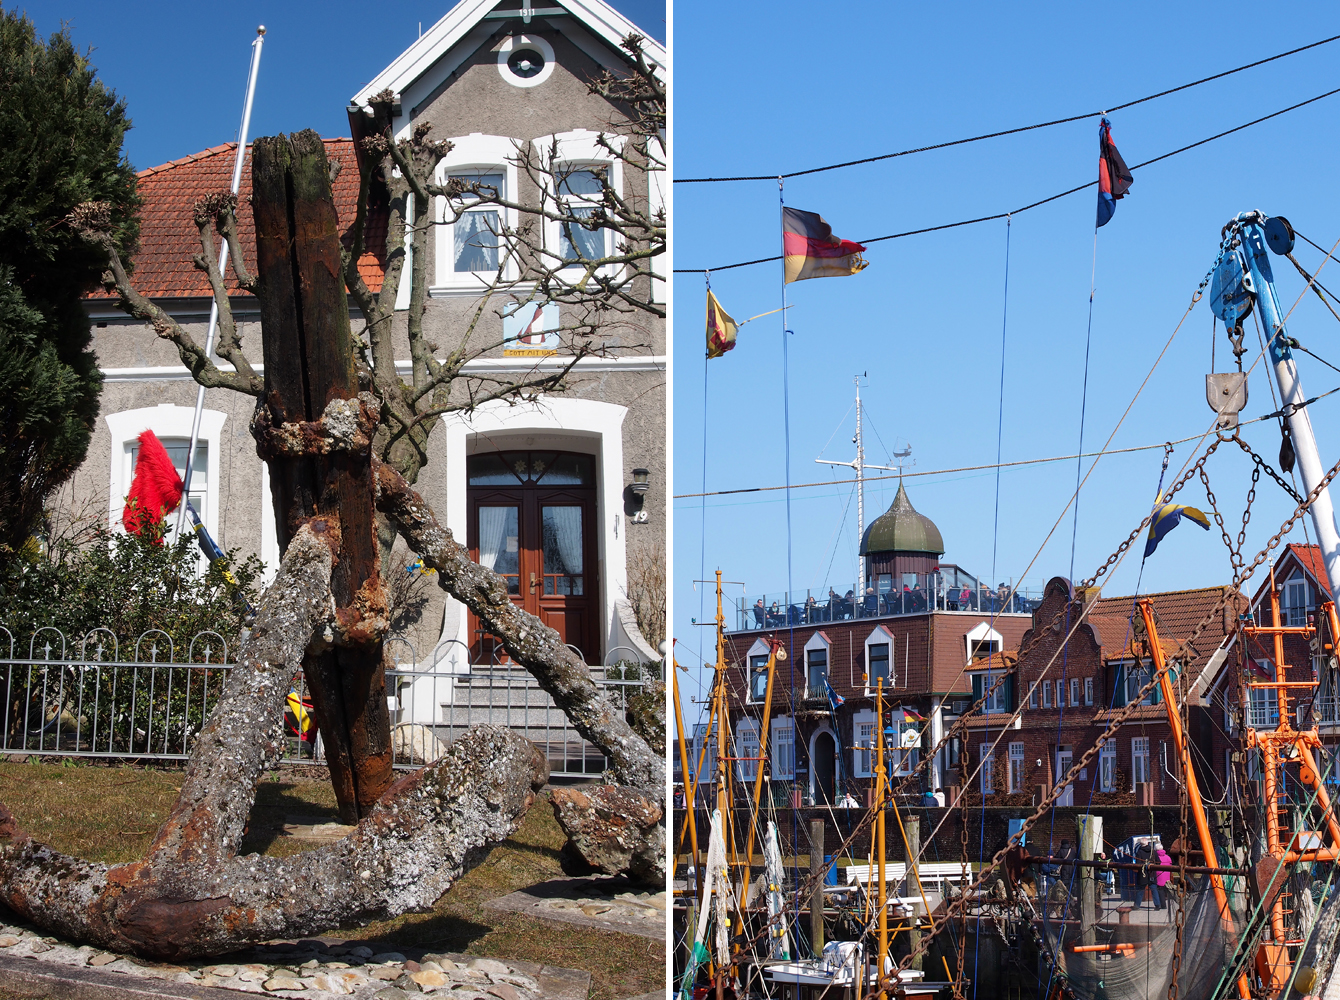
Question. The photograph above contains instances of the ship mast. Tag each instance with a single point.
(860, 465)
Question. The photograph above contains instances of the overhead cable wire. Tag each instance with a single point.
(992, 466)
(1036, 204)
(1011, 131)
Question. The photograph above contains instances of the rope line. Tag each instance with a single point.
(1012, 131)
(1044, 201)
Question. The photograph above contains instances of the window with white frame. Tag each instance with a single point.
(1296, 600)
(1107, 767)
(1088, 690)
(1263, 708)
(1139, 760)
(1074, 692)
(757, 672)
(1135, 676)
(1016, 767)
(172, 425)
(470, 248)
(982, 640)
(864, 734)
(996, 686)
(1060, 693)
(908, 751)
(988, 760)
(746, 749)
(878, 649)
(1046, 694)
(579, 167)
(816, 666)
(1033, 696)
(782, 739)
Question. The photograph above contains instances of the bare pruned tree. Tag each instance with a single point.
(345, 437)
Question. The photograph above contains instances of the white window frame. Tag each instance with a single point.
(1033, 695)
(1016, 772)
(905, 759)
(575, 150)
(996, 704)
(472, 154)
(1046, 693)
(536, 42)
(656, 201)
(864, 737)
(979, 632)
(167, 421)
(817, 641)
(1074, 692)
(782, 758)
(1088, 690)
(987, 763)
(1293, 613)
(879, 636)
(1107, 767)
(759, 648)
(1060, 693)
(746, 745)
(1139, 753)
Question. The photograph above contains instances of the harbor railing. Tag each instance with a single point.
(780, 609)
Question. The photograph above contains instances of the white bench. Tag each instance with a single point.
(934, 875)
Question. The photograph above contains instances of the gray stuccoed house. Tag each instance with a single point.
(543, 491)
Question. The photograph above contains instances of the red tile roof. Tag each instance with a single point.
(1310, 558)
(1178, 613)
(168, 237)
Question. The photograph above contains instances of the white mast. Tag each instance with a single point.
(1291, 390)
(238, 157)
(860, 466)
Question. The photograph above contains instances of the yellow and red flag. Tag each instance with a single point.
(812, 251)
(721, 329)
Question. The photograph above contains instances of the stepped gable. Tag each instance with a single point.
(168, 236)
(902, 529)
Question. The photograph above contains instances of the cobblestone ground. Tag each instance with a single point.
(310, 968)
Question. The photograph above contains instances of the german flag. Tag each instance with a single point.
(721, 329)
(812, 251)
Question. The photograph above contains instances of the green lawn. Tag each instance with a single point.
(110, 814)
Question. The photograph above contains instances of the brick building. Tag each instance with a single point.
(1067, 692)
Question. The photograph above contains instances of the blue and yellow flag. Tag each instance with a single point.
(1166, 517)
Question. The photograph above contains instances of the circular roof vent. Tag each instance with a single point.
(525, 63)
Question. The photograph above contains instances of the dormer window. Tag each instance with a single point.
(816, 666)
(757, 672)
(879, 647)
(1296, 601)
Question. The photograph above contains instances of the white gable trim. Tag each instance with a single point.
(429, 54)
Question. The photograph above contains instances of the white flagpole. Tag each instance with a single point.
(223, 263)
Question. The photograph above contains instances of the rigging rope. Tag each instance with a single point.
(1013, 131)
(1044, 201)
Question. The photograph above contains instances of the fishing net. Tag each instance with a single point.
(1124, 947)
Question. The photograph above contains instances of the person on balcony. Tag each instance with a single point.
(871, 602)
(760, 614)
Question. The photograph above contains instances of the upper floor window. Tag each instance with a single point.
(579, 167)
(1129, 679)
(879, 646)
(747, 749)
(1001, 699)
(816, 666)
(863, 729)
(1296, 601)
(471, 245)
(758, 677)
(1016, 777)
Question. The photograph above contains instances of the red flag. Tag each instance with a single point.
(156, 489)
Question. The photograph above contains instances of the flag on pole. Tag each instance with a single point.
(812, 251)
(1167, 517)
(1114, 177)
(721, 329)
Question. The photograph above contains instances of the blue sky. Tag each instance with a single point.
(925, 318)
(182, 68)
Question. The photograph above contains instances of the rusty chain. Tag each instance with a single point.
(1234, 551)
(1263, 465)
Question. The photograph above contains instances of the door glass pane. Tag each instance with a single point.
(539, 461)
(570, 470)
(492, 469)
(563, 547)
(498, 544)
